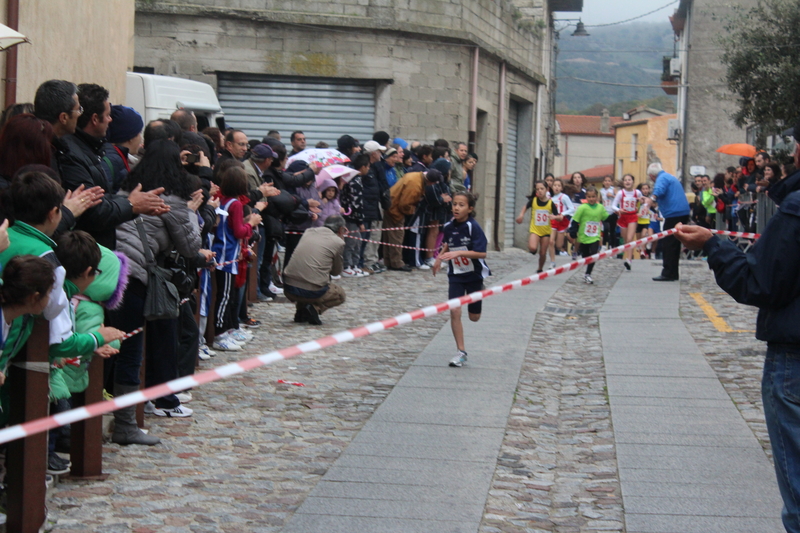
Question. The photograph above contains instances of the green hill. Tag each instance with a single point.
(629, 54)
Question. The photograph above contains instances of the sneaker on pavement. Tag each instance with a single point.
(240, 334)
(264, 298)
(275, 289)
(149, 407)
(588, 279)
(225, 344)
(552, 264)
(424, 266)
(175, 412)
(367, 271)
(377, 268)
(563, 252)
(203, 356)
(460, 359)
(252, 323)
(360, 273)
(627, 264)
(184, 397)
(56, 466)
(336, 277)
(349, 273)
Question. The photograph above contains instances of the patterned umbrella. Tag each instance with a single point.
(336, 171)
(323, 157)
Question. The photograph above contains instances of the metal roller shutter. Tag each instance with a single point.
(511, 172)
(323, 108)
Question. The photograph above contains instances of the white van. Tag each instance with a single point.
(157, 97)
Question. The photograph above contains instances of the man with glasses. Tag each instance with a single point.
(80, 117)
(234, 147)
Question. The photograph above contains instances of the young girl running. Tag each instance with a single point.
(626, 204)
(586, 228)
(464, 249)
(566, 209)
(643, 223)
(543, 211)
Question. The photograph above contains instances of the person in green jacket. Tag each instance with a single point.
(709, 201)
(25, 292)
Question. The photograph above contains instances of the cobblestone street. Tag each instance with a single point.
(255, 449)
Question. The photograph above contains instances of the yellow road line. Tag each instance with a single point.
(712, 315)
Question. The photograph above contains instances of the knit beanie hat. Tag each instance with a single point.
(126, 123)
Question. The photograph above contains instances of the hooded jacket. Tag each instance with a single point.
(766, 276)
(105, 292)
(329, 208)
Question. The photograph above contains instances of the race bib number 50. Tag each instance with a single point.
(462, 265)
(542, 217)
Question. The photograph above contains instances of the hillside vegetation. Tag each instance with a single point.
(628, 54)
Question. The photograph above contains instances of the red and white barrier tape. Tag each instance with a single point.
(75, 361)
(82, 413)
(348, 236)
(736, 234)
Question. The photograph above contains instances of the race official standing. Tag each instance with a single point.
(767, 277)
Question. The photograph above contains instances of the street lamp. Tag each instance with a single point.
(580, 31)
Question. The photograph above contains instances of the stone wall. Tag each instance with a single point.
(709, 104)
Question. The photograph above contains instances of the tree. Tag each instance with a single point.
(762, 55)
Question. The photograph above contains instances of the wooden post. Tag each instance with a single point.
(26, 459)
(86, 441)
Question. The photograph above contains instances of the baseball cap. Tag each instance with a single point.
(373, 146)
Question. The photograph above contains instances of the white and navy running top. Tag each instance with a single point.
(564, 204)
(465, 236)
(226, 245)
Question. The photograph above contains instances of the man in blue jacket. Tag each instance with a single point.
(674, 207)
(767, 277)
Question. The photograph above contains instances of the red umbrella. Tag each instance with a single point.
(741, 149)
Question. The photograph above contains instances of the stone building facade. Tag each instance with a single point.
(414, 59)
(704, 103)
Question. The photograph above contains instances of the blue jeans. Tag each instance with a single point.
(780, 391)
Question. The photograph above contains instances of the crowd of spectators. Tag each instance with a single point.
(96, 201)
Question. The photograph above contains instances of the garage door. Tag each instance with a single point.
(511, 172)
(323, 108)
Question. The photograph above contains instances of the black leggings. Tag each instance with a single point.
(227, 304)
(589, 249)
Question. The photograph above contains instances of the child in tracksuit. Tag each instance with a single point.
(352, 200)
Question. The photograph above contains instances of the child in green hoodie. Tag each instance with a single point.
(96, 278)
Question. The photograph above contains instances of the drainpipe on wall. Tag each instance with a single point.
(537, 170)
(12, 21)
(473, 105)
(501, 126)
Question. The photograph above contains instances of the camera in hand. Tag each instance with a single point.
(192, 158)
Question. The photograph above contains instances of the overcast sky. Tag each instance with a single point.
(605, 11)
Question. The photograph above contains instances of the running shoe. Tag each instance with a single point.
(149, 407)
(552, 264)
(275, 290)
(175, 412)
(225, 344)
(563, 252)
(424, 266)
(360, 273)
(336, 277)
(627, 264)
(588, 279)
(184, 397)
(349, 273)
(240, 335)
(460, 359)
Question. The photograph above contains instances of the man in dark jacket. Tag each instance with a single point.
(81, 164)
(767, 277)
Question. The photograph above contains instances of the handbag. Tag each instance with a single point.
(181, 277)
(162, 300)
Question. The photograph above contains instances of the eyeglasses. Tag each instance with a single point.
(79, 110)
(243, 145)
